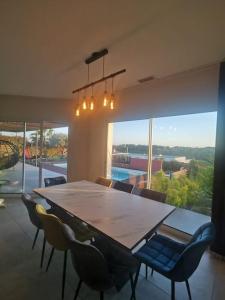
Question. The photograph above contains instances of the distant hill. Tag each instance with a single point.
(205, 154)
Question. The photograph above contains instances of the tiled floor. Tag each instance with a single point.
(22, 279)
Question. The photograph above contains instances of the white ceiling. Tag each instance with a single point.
(43, 43)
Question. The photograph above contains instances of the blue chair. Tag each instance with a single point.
(174, 260)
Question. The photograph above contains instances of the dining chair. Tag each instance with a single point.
(94, 269)
(54, 181)
(153, 195)
(54, 235)
(123, 186)
(176, 261)
(35, 220)
(104, 181)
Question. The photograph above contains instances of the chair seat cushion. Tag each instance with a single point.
(160, 253)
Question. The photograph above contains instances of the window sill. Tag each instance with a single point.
(186, 221)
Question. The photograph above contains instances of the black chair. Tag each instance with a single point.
(54, 181)
(35, 220)
(123, 186)
(95, 270)
(153, 195)
(176, 261)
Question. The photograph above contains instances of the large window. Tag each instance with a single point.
(29, 152)
(178, 152)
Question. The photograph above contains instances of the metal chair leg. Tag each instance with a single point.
(133, 296)
(43, 252)
(78, 289)
(135, 282)
(35, 238)
(172, 290)
(146, 272)
(64, 273)
(50, 259)
(101, 295)
(152, 272)
(188, 289)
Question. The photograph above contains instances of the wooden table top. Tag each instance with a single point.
(123, 217)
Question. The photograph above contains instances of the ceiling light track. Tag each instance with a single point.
(99, 81)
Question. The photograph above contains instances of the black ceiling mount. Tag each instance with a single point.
(96, 55)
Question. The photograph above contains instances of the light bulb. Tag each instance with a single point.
(92, 103)
(112, 102)
(84, 104)
(78, 112)
(105, 100)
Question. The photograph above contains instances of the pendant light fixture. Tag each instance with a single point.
(89, 105)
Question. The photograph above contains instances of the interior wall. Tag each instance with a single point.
(190, 92)
(34, 109)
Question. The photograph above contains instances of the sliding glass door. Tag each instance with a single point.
(29, 152)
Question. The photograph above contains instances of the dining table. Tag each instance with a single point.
(126, 219)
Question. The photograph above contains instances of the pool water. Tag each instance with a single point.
(116, 173)
(123, 174)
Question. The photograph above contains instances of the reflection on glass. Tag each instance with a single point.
(11, 157)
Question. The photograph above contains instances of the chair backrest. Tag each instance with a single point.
(192, 254)
(104, 181)
(153, 195)
(88, 262)
(31, 208)
(123, 186)
(53, 229)
(54, 181)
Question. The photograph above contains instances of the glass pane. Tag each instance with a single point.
(32, 156)
(55, 148)
(129, 159)
(11, 156)
(185, 146)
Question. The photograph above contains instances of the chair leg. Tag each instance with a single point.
(188, 289)
(133, 296)
(64, 273)
(101, 295)
(135, 282)
(35, 238)
(152, 272)
(43, 252)
(146, 272)
(172, 290)
(50, 259)
(78, 289)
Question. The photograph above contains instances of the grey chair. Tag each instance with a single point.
(54, 181)
(176, 261)
(94, 269)
(35, 220)
(123, 186)
(153, 195)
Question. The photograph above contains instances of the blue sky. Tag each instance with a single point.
(196, 130)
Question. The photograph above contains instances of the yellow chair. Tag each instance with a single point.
(104, 181)
(54, 235)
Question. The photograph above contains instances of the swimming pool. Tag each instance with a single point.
(123, 174)
(116, 173)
